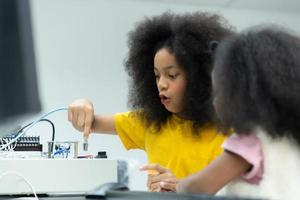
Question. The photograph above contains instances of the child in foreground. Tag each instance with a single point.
(256, 81)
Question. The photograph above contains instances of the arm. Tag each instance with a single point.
(81, 115)
(104, 124)
(221, 171)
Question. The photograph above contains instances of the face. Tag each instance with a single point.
(170, 80)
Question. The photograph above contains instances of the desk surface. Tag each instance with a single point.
(134, 195)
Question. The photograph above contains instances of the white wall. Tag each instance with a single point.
(80, 47)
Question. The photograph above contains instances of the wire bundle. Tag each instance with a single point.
(9, 145)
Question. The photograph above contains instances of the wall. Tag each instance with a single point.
(80, 48)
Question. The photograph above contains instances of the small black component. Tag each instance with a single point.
(101, 154)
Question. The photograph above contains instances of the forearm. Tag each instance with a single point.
(104, 124)
(210, 180)
(198, 184)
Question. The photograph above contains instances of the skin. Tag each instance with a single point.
(160, 179)
(81, 115)
(170, 80)
(220, 172)
(171, 84)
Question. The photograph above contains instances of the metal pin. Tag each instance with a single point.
(85, 145)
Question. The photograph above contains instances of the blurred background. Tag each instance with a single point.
(80, 48)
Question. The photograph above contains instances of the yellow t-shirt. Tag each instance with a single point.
(174, 147)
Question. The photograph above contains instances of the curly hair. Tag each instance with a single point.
(187, 37)
(256, 81)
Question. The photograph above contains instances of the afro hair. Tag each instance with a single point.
(257, 82)
(188, 37)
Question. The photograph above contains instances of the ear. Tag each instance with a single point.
(212, 46)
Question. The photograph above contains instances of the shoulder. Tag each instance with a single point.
(128, 115)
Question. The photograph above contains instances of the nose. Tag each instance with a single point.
(162, 84)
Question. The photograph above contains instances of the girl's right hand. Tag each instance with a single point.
(81, 115)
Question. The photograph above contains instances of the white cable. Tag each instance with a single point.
(9, 147)
(2, 142)
(24, 179)
(29, 127)
(6, 142)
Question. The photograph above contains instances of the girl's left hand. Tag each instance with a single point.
(160, 179)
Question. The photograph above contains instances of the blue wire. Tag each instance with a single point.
(33, 124)
(62, 151)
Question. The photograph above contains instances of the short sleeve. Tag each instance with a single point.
(249, 147)
(130, 130)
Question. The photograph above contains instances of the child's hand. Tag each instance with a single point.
(160, 179)
(81, 115)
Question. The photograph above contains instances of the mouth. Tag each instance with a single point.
(164, 99)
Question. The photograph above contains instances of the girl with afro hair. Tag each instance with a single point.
(169, 63)
(256, 83)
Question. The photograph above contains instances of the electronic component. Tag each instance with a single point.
(62, 149)
(85, 145)
(24, 143)
(101, 154)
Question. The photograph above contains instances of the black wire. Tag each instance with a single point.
(45, 120)
(53, 127)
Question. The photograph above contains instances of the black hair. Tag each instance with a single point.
(186, 36)
(256, 81)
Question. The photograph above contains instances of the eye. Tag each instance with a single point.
(173, 76)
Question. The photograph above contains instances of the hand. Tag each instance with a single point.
(81, 115)
(160, 179)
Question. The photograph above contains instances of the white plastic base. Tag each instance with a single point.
(55, 175)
